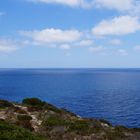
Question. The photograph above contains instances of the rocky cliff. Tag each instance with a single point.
(34, 119)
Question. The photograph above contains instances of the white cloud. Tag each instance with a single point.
(119, 5)
(71, 3)
(53, 35)
(57, 38)
(7, 46)
(97, 49)
(121, 25)
(122, 52)
(85, 42)
(115, 42)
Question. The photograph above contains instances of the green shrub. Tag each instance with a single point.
(52, 108)
(55, 120)
(13, 132)
(80, 127)
(24, 121)
(4, 104)
(85, 127)
(35, 102)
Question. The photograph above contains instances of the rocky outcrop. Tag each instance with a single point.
(59, 124)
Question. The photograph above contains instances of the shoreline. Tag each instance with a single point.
(52, 123)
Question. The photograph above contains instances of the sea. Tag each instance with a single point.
(110, 94)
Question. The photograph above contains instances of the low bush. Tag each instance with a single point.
(55, 120)
(80, 127)
(24, 121)
(13, 132)
(4, 104)
(52, 108)
(35, 102)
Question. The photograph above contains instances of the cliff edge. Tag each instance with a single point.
(34, 119)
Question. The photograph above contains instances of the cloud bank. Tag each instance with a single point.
(121, 25)
(119, 5)
(53, 35)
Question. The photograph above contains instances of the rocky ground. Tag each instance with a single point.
(43, 121)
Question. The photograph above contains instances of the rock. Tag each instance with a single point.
(59, 124)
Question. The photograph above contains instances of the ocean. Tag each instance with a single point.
(111, 94)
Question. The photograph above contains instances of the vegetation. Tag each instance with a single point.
(52, 108)
(55, 120)
(25, 121)
(35, 102)
(4, 104)
(80, 127)
(115, 134)
(13, 132)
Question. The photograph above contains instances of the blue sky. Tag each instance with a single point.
(69, 33)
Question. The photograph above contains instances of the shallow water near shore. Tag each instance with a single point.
(112, 94)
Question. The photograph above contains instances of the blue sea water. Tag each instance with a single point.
(112, 94)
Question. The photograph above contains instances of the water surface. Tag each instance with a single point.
(112, 94)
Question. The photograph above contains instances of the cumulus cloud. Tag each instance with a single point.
(121, 25)
(53, 35)
(7, 46)
(58, 38)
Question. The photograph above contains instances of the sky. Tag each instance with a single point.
(70, 34)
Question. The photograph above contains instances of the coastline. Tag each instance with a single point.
(48, 122)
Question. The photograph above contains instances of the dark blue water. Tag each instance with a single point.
(112, 94)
